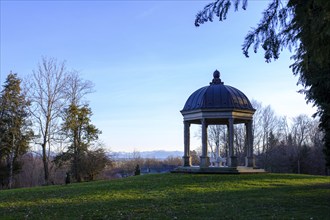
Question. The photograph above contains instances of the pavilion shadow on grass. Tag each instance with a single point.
(218, 104)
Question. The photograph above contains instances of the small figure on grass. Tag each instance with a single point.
(67, 178)
(137, 170)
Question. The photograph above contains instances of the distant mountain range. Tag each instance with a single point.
(157, 154)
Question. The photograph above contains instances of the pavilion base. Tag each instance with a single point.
(218, 170)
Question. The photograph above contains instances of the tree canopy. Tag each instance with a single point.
(15, 131)
(81, 135)
(301, 26)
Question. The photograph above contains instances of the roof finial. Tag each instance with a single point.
(216, 78)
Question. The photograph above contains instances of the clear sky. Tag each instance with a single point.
(145, 59)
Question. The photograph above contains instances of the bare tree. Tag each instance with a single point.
(266, 125)
(269, 124)
(316, 156)
(300, 129)
(47, 94)
(296, 148)
(283, 129)
(300, 136)
(257, 121)
(217, 140)
(239, 142)
(77, 88)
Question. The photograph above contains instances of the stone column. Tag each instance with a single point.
(186, 153)
(232, 158)
(249, 159)
(204, 159)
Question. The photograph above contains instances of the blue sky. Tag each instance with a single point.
(145, 59)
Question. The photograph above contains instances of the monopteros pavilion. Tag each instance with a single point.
(218, 104)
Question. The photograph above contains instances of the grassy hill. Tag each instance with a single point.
(175, 196)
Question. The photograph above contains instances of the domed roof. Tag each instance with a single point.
(217, 96)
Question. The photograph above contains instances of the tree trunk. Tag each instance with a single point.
(76, 167)
(11, 164)
(44, 150)
(45, 162)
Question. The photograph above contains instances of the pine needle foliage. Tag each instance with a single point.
(301, 26)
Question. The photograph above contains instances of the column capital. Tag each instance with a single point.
(187, 123)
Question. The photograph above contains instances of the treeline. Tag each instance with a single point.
(46, 134)
(47, 112)
(47, 137)
(31, 170)
(280, 144)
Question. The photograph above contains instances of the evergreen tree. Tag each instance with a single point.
(81, 134)
(303, 25)
(15, 133)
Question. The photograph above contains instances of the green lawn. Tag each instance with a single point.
(175, 196)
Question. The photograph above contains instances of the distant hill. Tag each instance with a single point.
(157, 154)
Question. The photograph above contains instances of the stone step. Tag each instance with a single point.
(218, 170)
